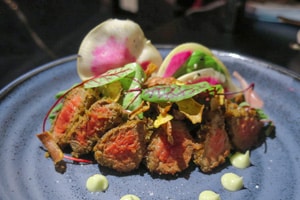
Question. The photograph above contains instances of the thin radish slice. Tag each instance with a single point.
(181, 61)
(210, 75)
(113, 44)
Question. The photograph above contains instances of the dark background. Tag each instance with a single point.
(62, 24)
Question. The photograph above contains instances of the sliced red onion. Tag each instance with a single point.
(251, 96)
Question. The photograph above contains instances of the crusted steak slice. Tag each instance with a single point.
(103, 115)
(165, 156)
(214, 144)
(122, 148)
(73, 106)
(244, 127)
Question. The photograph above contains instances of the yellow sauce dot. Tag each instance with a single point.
(232, 182)
(240, 160)
(209, 195)
(97, 183)
(130, 197)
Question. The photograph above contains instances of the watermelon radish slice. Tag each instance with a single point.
(193, 58)
(113, 44)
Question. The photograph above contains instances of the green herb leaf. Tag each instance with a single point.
(60, 94)
(175, 93)
(262, 114)
(133, 84)
(111, 76)
(54, 112)
(244, 104)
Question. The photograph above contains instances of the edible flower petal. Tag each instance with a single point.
(191, 109)
(162, 119)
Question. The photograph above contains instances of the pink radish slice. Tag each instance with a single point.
(176, 62)
(179, 55)
(113, 44)
(111, 55)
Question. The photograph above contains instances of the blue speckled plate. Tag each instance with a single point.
(26, 174)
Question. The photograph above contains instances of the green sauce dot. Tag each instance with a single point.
(97, 183)
(232, 182)
(209, 195)
(130, 197)
(240, 160)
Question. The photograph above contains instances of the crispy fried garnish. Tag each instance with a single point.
(55, 152)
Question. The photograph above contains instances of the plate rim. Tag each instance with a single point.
(261, 62)
(53, 66)
(10, 86)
